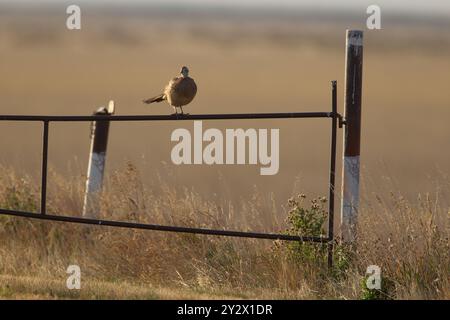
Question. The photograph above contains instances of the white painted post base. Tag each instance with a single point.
(350, 198)
(94, 182)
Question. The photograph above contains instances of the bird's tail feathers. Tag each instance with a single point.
(158, 98)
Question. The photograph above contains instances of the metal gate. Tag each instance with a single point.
(333, 115)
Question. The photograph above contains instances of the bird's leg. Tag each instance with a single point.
(176, 111)
(182, 112)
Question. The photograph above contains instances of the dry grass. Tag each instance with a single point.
(410, 242)
(26, 287)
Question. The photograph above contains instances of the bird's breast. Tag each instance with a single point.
(181, 91)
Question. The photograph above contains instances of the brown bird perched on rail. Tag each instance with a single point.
(179, 92)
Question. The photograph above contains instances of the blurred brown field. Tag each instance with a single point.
(242, 63)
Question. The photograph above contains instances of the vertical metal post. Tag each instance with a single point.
(352, 134)
(97, 159)
(332, 173)
(44, 168)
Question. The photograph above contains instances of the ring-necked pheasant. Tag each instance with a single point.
(179, 92)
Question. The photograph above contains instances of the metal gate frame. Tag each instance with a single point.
(335, 117)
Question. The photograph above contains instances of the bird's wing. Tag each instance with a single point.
(184, 87)
(181, 91)
(173, 84)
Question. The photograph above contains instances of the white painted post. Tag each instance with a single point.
(96, 166)
(352, 135)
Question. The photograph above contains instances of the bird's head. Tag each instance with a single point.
(184, 71)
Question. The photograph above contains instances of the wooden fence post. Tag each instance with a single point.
(96, 166)
(352, 135)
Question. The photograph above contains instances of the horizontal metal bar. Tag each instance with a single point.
(169, 117)
(134, 225)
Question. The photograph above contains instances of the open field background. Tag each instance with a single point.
(254, 63)
(242, 62)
